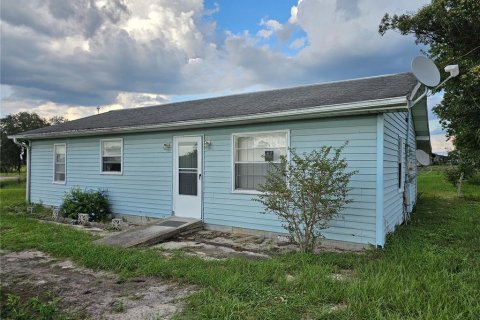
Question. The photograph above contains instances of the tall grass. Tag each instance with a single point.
(429, 269)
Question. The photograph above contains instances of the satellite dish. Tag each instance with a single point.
(422, 157)
(426, 71)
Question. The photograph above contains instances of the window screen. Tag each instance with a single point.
(112, 155)
(252, 156)
(187, 168)
(59, 167)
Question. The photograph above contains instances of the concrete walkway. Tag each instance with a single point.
(153, 233)
(7, 178)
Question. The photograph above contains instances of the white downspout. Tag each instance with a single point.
(25, 146)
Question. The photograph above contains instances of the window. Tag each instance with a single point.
(59, 161)
(252, 154)
(187, 168)
(112, 150)
(401, 163)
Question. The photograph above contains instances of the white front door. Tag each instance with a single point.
(187, 176)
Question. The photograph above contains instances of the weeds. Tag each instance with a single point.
(12, 307)
(428, 269)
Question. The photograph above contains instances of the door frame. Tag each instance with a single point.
(175, 169)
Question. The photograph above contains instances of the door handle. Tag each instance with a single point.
(199, 176)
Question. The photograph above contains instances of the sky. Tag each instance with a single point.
(66, 58)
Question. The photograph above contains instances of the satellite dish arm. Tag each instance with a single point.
(414, 91)
(419, 98)
(417, 86)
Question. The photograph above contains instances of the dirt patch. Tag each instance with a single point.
(262, 245)
(218, 245)
(337, 307)
(342, 275)
(248, 244)
(89, 293)
(209, 251)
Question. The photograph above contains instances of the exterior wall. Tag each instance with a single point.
(145, 187)
(393, 211)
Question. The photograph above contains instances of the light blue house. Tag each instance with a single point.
(205, 158)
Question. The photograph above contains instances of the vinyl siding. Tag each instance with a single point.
(145, 187)
(395, 126)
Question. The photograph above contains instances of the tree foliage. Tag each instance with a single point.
(307, 192)
(57, 120)
(13, 124)
(451, 30)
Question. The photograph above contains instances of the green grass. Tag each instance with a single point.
(45, 308)
(11, 192)
(433, 183)
(429, 269)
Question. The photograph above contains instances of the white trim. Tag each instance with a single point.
(401, 160)
(232, 154)
(175, 169)
(361, 107)
(55, 161)
(115, 173)
(29, 171)
(379, 190)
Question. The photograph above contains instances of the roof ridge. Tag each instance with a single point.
(266, 91)
(345, 92)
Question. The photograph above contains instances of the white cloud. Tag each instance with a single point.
(50, 109)
(440, 144)
(271, 26)
(58, 56)
(98, 49)
(85, 52)
(298, 43)
(434, 125)
(293, 13)
(331, 31)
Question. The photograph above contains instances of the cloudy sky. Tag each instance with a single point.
(68, 57)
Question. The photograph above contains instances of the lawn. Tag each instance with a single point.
(429, 269)
(11, 191)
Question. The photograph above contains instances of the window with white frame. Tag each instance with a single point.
(401, 163)
(253, 153)
(59, 163)
(112, 150)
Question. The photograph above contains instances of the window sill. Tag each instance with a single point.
(60, 182)
(112, 173)
(253, 192)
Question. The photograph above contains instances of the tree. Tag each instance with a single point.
(57, 120)
(464, 168)
(12, 124)
(307, 192)
(451, 30)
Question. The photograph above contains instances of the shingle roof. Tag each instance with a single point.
(317, 95)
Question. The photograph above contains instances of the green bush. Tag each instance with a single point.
(475, 178)
(306, 192)
(93, 202)
(452, 174)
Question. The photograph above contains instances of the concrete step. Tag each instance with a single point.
(153, 233)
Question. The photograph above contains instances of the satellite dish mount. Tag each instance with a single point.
(426, 72)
